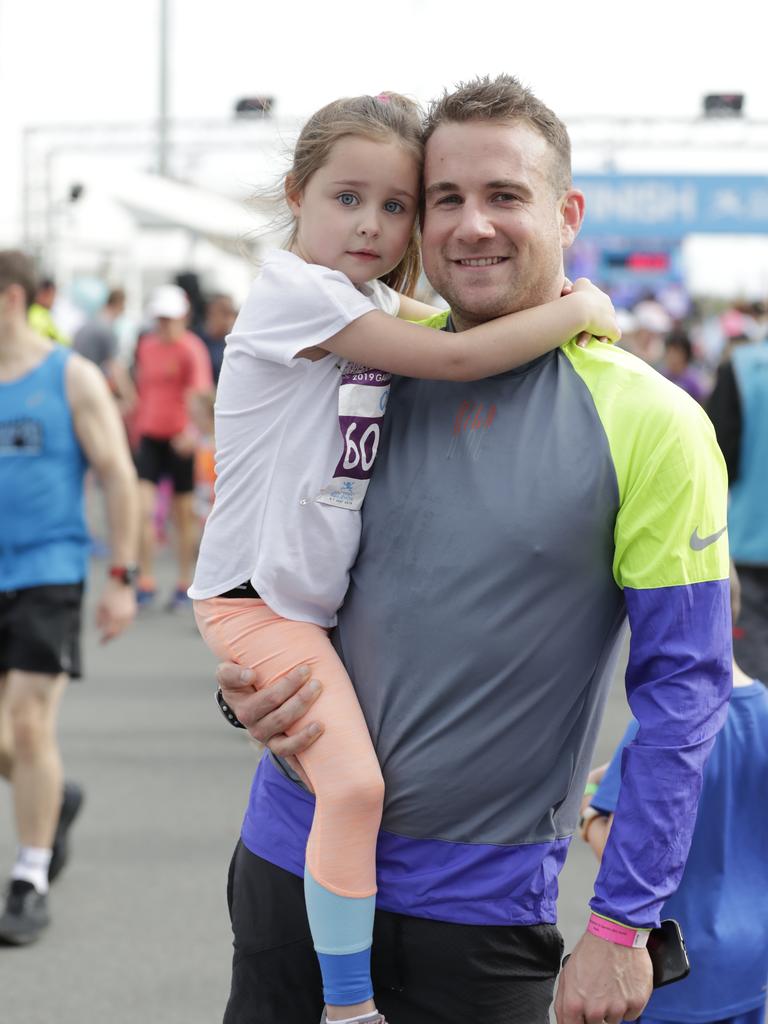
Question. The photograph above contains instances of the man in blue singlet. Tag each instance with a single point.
(56, 418)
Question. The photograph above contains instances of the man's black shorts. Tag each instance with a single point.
(156, 458)
(40, 629)
(424, 972)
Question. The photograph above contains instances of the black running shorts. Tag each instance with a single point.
(40, 629)
(424, 972)
(156, 458)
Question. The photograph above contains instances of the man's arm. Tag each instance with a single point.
(119, 376)
(198, 396)
(102, 437)
(678, 684)
(671, 560)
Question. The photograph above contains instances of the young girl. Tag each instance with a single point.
(298, 417)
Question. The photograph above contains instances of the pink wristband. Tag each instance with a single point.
(621, 934)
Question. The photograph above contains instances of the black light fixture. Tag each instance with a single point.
(254, 106)
(724, 104)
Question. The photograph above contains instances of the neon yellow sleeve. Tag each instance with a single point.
(670, 528)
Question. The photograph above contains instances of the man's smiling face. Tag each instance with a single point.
(494, 224)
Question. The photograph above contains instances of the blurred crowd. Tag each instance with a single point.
(163, 369)
(687, 347)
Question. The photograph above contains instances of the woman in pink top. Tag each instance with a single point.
(172, 367)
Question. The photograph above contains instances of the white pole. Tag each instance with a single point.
(163, 92)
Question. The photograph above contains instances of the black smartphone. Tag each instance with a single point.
(669, 958)
(666, 948)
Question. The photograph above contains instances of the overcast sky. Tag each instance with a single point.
(87, 61)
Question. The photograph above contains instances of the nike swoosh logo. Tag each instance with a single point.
(699, 543)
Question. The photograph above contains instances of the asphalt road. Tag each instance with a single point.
(140, 931)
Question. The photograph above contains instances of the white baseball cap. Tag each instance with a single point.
(168, 301)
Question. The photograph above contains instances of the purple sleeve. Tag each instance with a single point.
(678, 686)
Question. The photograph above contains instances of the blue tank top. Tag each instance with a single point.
(43, 536)
(747, 520)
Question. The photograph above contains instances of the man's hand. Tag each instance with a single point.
(603, 982)
(116, 609)
(267, 713)
(185, 443)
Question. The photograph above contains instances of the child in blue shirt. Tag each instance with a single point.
(722, 901)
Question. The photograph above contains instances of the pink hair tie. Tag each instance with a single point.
(383, 97)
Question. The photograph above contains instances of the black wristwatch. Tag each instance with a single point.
(127, 574)
(227, 711)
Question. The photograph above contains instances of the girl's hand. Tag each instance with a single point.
(585, 337)
(599, 313)
(594, 779)
(594, 829)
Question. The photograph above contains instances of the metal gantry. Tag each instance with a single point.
(178, 147)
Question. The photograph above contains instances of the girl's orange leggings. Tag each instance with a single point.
(341, 764)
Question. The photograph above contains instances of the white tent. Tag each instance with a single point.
(157, 202)
(139, 229)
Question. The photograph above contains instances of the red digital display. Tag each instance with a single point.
(648, 261)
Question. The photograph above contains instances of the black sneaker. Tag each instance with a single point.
(26, 914)
(71, 803)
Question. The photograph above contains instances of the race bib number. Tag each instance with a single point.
(21, 437)
(363, 395)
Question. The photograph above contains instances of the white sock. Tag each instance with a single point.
(32, 866)
(373, 1015)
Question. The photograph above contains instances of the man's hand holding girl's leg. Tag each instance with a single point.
(269, 712)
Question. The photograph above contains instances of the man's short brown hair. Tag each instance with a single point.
(506, 100)
(16, 268)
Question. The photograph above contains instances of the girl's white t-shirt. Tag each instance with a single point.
(295, 442)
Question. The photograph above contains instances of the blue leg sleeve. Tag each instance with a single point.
(342, 931)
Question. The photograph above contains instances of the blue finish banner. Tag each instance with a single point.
(671, 206)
